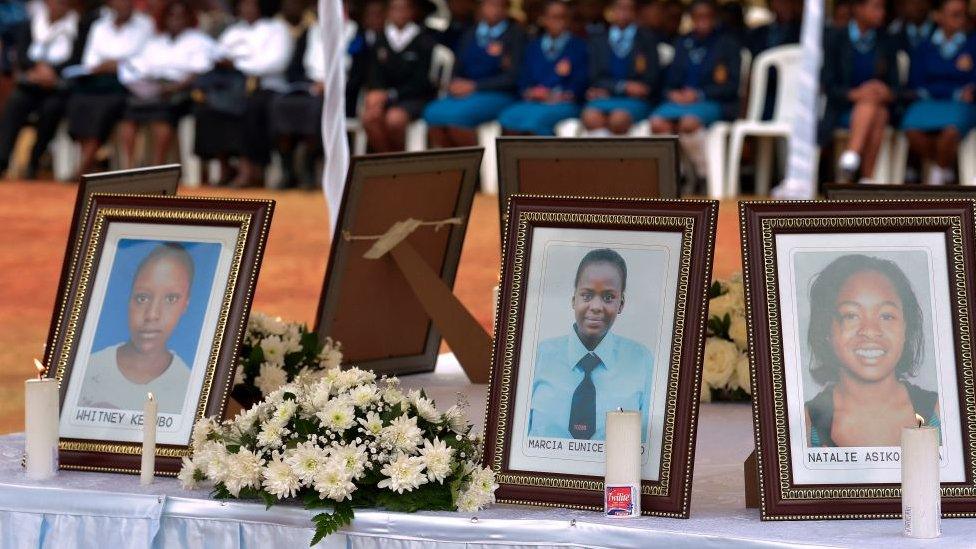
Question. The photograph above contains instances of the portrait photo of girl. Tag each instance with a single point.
(867, 348)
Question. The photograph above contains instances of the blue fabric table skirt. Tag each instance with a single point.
(932, 115)
(537, 118)
(636, 108)
(469, 111)
(705, 111)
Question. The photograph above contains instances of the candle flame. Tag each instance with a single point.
(150, 396)
(41, 369)
(920, 420)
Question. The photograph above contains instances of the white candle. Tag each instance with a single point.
(149, 418)
(623, 456)
(41, 426)
(921, 506)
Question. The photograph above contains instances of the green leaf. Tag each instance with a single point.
(329, 523)
(716, 289)
(432, 496)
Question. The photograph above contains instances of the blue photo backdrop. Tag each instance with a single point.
(113, 325)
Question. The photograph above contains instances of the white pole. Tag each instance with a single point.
(334, 140)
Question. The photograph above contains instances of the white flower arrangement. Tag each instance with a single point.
(276, 352)
(342, 441)
(725, 374)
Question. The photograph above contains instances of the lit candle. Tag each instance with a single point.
(921, 505)
(41, 425)
(623, 457)
(149, 418)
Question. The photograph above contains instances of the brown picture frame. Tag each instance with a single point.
(873, 191)
(694, 221)
(357, 293)
(251, 219)
(157, 180)
(613, 167)
(762, 222)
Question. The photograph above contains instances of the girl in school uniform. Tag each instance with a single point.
(625, 74)
(860, 79)
(42, 51)
(160, 77)
(553, 78)
(485, 78)
(98, 98)
(258, 47)
(702, 84)
(942, 79)
(399, 78)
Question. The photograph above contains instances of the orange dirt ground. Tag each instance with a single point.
(34, 220)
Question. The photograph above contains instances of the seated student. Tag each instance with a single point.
(463, 14)
(662, 17)
(913, 26)
(591, 370)
(625, 75)
(841, 14)
(702, 85)
(159, 79)
(254, 51)
(42, 51)
(399, 82)
(98, 98)
(785, 29)
(942, 79)
(860, 80)
(485, 78)
(373, 19)
(553, 77)
(589, 20)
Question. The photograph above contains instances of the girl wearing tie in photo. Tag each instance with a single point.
(625, 74)
(581, 376)
(485, 78)
(866, 339)
(553, 79)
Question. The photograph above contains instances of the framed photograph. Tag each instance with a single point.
(158, 180)
(858, 321)
(603, 305)
(431, 187)
(158, 303)
(874, 191)
(619, 167)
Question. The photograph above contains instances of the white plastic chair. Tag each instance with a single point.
(487, 133)
(441, 69)
(716, 139)
(967, 159)
(65, 156)
(786, 61)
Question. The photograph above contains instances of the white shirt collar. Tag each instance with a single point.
(401, 38)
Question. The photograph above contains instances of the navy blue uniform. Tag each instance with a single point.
(941, 69)
(710, 65)
(625, 55)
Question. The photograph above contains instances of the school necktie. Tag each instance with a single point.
(582, 411)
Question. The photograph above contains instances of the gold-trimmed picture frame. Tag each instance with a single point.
(654, 257)
(158, 302)
(843, 298)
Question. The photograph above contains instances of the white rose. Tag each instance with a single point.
(738, 331)
(720, 357)
(742, 373)
(706, 393)
(720, 306)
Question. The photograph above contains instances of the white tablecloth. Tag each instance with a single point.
(107, 511)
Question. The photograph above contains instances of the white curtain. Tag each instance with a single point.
(334, 140)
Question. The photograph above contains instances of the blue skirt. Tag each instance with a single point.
(537, 118)
(933, 115)
(705, 111)
(467, 112)
(637, 109)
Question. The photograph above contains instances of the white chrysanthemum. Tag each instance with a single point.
(333, 481)
(403, 434)
(437, 458)
(479, 491)
(393, 396)
(305, 459)
(404, 474)
(272, 434)
(337, 414)
(209, 457)
(364, 395)
(280, 479)
(202, 430)
(321, 393)
(291, 341)
(330, 356)
(188, 474)
(468, 501)
(255, 322)
(309, 376)
(426, 409)
(240, 377)
(284, 412)
(274, 326)
(456, 419)
(274, 349)
(347, 379)
(372, 423)
(483, 480)
(245, 420)
(271, 377)
(352, 457)
(243, 471)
